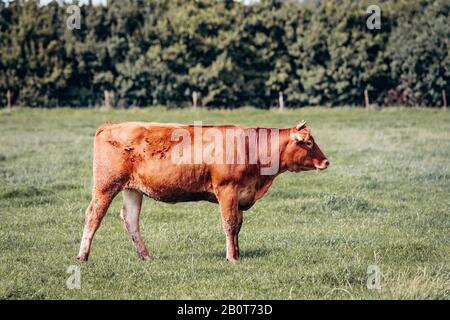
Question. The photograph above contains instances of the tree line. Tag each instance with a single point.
(158, 52)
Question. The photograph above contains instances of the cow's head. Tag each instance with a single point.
(302, 153)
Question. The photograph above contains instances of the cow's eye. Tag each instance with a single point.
(309, 144)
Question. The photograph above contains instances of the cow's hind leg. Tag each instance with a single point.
(94, 214)
(131, 209)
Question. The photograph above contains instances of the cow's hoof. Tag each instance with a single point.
(82, 258)
(145, 258)
(233, 260)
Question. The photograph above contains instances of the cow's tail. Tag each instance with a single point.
(103, 127)
(101, 155)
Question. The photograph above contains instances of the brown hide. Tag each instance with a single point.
(139, 157)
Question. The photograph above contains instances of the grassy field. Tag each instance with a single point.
(385, 201)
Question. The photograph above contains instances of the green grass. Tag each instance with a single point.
(385, 201)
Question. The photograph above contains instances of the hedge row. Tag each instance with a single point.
(150, 52)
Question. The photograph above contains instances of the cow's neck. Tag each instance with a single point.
(265, 181)
(283, 141)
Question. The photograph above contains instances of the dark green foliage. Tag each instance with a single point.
(420, 52)
(150, 52)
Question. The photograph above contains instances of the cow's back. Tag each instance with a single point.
(142, 154)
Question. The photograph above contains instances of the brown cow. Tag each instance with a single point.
(163, 162)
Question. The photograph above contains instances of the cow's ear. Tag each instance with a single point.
(301, 125)
(297, 136)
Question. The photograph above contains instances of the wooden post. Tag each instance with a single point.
(107, 105)
(366, 99)
(194, 99)
(281, 100)
(8, 96)
(444, 100)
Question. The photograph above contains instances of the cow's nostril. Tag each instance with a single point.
(326, 163)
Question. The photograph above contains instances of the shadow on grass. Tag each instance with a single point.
(246, 253)
(256, 253)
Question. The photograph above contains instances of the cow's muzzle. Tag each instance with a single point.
(324, 164)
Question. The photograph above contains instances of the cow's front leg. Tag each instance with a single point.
(240, 217)
(232, 220)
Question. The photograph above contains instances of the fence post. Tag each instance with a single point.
(366, 99)
(444, 100)
(8, 96)
(194, 99)
(281, 100)
(107, 105)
